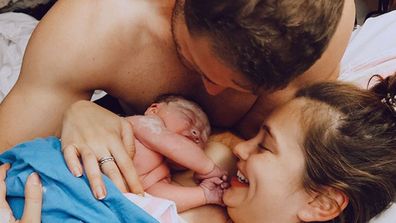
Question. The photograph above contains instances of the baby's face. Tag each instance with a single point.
(186, 120)
(268, 186)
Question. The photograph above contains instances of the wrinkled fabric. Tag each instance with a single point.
(163, 210)
(15, 31)
(65, 198)
(371, 50)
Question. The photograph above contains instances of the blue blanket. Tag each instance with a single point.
(66, 198)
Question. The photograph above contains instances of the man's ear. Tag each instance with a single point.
(153, 109)
(324, 206)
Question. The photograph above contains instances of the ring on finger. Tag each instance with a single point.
(105, 159)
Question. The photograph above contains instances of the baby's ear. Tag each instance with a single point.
(324, 206)
(153, 109)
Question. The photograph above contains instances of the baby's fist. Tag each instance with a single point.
(216, 172)
(213, 190)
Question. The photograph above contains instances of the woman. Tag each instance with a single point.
(327, 155)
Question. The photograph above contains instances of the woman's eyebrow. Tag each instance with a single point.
(267, 129)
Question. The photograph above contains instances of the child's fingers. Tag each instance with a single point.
(225, 185)
(216, 180)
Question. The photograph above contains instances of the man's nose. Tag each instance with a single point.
(213, 89)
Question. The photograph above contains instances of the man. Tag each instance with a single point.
(238, 59)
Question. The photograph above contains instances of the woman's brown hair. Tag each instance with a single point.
(350, 145)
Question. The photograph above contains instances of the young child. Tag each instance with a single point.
(173, 131)
(328, 155)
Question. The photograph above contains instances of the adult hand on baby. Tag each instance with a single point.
(33, 199)
(213, 189)
(92, 133)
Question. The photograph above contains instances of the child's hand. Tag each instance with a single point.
(213, 189)
(216, 172)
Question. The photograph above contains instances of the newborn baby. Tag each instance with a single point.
(173, 131)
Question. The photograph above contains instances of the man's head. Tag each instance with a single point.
(264, 43)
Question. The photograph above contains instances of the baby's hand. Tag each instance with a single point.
(216, 172)
(213, 189)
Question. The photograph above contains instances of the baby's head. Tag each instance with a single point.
(329, 155)
(182, 116)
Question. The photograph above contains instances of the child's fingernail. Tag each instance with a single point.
(99, 193)
(34, 179)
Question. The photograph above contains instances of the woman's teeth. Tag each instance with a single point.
(242, 178)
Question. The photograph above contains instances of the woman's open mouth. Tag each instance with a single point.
(241, 178)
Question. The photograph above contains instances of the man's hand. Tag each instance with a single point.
(95, 134)
(33, 199)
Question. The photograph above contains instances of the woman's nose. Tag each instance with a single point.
(243, 150)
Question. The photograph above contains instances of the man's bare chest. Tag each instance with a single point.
(157, 70)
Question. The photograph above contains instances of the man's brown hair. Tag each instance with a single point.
(269, 41)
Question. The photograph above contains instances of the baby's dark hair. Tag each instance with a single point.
(350, 145)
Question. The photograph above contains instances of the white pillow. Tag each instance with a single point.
(372, 50)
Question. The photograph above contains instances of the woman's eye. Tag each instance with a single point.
(263, 148)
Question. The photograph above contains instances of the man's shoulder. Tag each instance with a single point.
(128, 15)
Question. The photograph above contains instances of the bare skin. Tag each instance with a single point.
(33, 199)
(121, 47)
(219, 150)
(178, 133)
(86, 45)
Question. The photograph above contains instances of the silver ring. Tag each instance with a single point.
(105, 159)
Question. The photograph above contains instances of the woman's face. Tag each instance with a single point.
(269, 187)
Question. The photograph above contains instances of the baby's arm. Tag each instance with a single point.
(210, 191)
(153, 134)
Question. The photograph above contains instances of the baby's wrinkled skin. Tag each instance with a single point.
(176, 131)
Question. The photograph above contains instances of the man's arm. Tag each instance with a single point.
(72, 52)
(45, 86)
(153, 134)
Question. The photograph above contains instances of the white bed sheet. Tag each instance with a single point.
(15, 31)
(372, 50)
